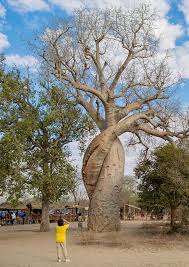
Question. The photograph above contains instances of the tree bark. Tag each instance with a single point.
(45, 225)
(75, 199)
(173, 210)
(184, 216)
(103, 171)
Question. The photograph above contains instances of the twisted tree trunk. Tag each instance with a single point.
(103, 170)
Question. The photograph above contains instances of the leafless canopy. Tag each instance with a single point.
(109, 62)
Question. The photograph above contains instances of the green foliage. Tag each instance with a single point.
(164, 179)
(36, 125)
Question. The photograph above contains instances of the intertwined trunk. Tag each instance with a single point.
(103, 170)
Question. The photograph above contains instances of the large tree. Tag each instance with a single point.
(109, 61)
(36, 126)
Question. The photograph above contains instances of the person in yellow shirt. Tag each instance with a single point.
(61, 229)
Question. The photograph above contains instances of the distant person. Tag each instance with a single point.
(142, 214)
(80, 222)
(13, 218)
(1, 218)
(129, 215)
(23, 217)
(61, 229)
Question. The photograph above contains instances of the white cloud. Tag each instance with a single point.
(69, 5)
(22, 61)
(180, 60)
(29, 5)
(4, 43)
(184, 7)
(168, 33)
(2, 11)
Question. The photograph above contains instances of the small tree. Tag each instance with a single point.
(36, 126)
(164, 180)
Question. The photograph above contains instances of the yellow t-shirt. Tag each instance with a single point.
(61, 233)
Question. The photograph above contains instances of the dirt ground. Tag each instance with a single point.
(137, 245)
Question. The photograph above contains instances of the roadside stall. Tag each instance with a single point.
(30, 212)
(7, 210)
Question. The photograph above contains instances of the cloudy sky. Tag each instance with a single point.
(21, 19)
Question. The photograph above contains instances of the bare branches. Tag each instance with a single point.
(139, 141)
(138, 104)
(134, 29)
(147, 128)
(109, 61)
(93, 112)
(77, 85)
(128, 124)
(152, 129)
(83, 47)
(120, 71)
(96, 60)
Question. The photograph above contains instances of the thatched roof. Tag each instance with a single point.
(9, 206)
(36, 204)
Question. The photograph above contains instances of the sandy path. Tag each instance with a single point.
(24, 246)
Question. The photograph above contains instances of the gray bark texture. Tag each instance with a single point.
(103, 176)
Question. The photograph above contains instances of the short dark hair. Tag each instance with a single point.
(60, 222)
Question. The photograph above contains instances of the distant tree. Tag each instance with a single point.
(36, 127)
(164, 180)
(129, 192)
(77, 188)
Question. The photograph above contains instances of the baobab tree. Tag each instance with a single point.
(109, 62)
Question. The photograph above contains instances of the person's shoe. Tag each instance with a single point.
(67, 260)
(59, 260)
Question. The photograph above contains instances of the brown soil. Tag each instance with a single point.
(137, 245)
